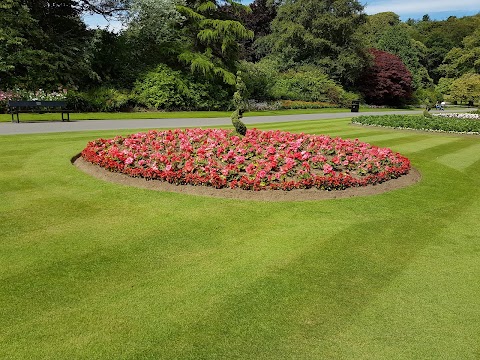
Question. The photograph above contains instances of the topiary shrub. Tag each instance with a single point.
(239, 126)
(427, 114)
(240, 104)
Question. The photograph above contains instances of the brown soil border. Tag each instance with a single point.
(98, 172)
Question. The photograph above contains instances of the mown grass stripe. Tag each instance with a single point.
(419, 296)
(337, 123)
(347, 134)
(372, 138)
(334, 130)
(425, 144)
(461, 159)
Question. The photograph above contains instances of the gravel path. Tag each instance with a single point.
(97, 125)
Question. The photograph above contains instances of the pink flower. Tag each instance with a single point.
(239, 159)
(261, 174)
(250, 169)
(188, 165)
(327, 168)
(271, 150)
(259, 160)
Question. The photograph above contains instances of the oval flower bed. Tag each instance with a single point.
(260, 160)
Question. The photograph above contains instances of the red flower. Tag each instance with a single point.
(259, 160)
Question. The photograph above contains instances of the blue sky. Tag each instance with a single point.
(415, 9)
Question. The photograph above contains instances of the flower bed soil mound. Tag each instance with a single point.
(272, 195)
(262, 160)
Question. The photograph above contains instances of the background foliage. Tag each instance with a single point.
(189, 51)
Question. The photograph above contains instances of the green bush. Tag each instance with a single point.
(289, 104)
(167, 89)
(99, 99)
(420, 122)
(307, 85)
(259, 78)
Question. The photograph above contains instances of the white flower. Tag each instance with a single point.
(459, 116)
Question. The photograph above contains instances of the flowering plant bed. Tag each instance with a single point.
(260, 160)
(458, 116)
(453, 123)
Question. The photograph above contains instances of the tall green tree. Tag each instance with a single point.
(43, 44)
(397, 40)
(66, 38)
(465, 59)
(155, 20)
(21, 64)
(16, 27)
(442, 36)
(321, 33)
(258, 20)
(212, 43)
(466, 88)
(376, 26)
(152, 36)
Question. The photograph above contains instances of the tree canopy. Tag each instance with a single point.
(321, 33)
(212, 46)
(465, 59)
(305, 50)
(42, 43)
(466, 88)
(396, 40)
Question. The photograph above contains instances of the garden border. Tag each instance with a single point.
(312, 194)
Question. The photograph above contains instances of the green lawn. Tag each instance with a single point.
(95, 270)
(171, 114)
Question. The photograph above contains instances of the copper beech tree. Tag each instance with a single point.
(387, 81)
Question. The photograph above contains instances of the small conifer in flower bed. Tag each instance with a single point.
(259, 160)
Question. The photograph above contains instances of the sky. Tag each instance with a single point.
(415, 9)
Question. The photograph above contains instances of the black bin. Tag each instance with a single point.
(355, 105)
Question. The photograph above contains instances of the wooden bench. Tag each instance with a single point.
(39, 107)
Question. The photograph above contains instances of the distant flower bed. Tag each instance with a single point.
(254, 105)
(290, 104)
(40, 94)
(458, 116)
(260, 160)
(419, 122)
(37, 95)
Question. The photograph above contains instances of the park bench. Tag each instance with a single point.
(39, 107)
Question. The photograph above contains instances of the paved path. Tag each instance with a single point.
(97, 125)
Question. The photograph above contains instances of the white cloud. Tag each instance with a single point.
(416, 6)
